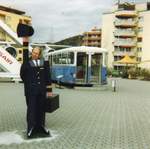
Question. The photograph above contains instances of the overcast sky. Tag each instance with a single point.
(54, 20)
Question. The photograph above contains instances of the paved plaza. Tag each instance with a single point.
(87, 118)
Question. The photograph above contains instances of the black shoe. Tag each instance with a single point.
(44, 131)
(30, 133)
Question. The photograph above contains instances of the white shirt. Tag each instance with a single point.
(38, 61)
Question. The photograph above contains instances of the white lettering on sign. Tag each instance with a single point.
(4, 57)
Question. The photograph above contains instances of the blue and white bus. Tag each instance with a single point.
(81, 65)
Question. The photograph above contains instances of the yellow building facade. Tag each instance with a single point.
(126, 31)
(11, 17)
(92, 38)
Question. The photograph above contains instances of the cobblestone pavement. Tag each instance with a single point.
(86, 119)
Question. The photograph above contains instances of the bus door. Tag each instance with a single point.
(82, 67)
(96, 62)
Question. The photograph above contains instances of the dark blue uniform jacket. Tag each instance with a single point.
(35, 78)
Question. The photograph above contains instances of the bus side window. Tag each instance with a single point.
(70, 58)
(59, 59)
(56, 59)
(64, 58)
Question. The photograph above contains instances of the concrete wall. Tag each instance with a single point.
(107, 35)
(146, 39)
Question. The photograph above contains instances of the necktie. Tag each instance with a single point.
(36, 61)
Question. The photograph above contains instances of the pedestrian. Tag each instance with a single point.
(36, 78)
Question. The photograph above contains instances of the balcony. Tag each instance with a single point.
(123, 53)
(139, 44)
(125, 42)
(92, 38)
(93, 33)
(118, 64)
(140, 34)
(124, 33)
(126, 14)
(93, 43)
(140, 24)
(125, 23)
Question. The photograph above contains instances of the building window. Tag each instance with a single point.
(117, 58)
(128, 49)
(126, 6)
(148, 6)
(139, 39)
(20, 51)
(141, 18)
(138, 59)
(139, 49)
(19, 59)
(140, 29)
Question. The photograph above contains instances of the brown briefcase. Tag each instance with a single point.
(52, 103)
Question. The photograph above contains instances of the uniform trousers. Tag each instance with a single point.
(35, 111)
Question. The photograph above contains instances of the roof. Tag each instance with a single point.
(12, 10)
(81, 49)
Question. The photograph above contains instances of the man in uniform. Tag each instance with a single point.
(37, 85)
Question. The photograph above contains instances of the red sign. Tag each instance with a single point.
(4, 57)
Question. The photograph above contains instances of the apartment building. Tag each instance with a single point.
(11, 17)
(92, 38)
(125, 30)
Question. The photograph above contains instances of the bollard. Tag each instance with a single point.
(114, 85)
